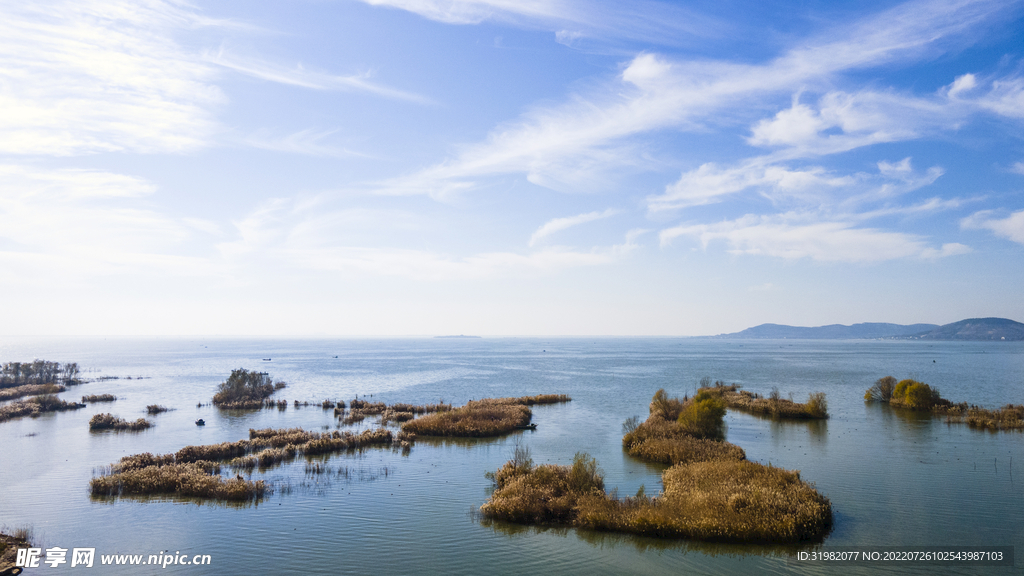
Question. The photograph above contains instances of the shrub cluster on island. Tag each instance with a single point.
(816, 407)
(40, 378)
(711, 491)
(910, 394)
(245, 390)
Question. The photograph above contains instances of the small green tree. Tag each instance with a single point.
(703, 417)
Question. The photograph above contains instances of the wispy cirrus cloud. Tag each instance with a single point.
(559, 224)
(89, 76)
(574, 20)
(300, 76)
(305, 235)
(308, 142)
(796, 236)
(597, 128)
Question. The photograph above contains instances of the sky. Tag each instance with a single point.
(495, 167)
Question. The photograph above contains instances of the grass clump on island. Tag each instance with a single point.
(9, 544)
(245, 390)
(481, 418)
(156, 409)
(774, 405)
(194, 471)
(110, 422)
(36, 406)
(711, 492)
(99, 398)
(910, 394)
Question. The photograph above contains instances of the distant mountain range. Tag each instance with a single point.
(971, 329)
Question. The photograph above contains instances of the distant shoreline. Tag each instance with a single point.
(458, 336)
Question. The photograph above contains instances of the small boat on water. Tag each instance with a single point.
(266, 359)
(527, 427)
(200, 422)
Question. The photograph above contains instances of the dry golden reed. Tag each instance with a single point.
(179, 473)
(475, 419)
(99, 398)
(36, 406)
(30, 390)
(724, 501)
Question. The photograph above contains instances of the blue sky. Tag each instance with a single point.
(419, 167)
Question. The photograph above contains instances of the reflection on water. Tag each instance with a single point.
(894, 477)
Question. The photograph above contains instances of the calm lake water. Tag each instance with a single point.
(893, 479)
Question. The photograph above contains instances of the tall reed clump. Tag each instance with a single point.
(479, 418)
(36, 406)
(725, 501)
(10, 543)
(774, 405)
(156, 409)
(246, 390)
(110, 422)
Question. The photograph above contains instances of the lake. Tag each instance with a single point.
(894, 479)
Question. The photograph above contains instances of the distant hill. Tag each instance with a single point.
(834, 331)
(1000, 329)
(977, 329)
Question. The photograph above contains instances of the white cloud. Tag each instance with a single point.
(88, 76)
(304, 78)
(572, 20)
(654, 93)
(559, 224)
(1017, 168)
(1010, 227)
(308, 142)
(710, 183)
(796, 236)
(306, 236)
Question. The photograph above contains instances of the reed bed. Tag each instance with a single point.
(525, 400)
(194, 470)
(774, 405)
(36, 406)
(108, 421)
(420, 408)
(99, 398)
(1009, 417)
(479, 418)
(724, 501)
(156, 409)
(711, 491)
(30, 390)
(190, 479)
